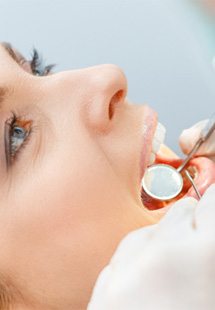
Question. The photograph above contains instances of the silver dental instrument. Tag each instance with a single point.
(164, 182)
(193, 184)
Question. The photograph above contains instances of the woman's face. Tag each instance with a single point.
(70, 177)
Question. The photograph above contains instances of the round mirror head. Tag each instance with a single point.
(162, 182)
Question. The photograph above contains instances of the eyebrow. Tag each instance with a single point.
(3, 94)
(9, 49)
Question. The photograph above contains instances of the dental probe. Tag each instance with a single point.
(193, 184)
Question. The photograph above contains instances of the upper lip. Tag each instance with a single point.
(149, 126)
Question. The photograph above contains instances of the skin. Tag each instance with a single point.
(210, 4)
(72, 193)
(208, 7)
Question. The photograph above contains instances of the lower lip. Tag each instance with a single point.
(149, 126)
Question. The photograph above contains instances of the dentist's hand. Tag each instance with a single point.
(165, 266)
(190, 136)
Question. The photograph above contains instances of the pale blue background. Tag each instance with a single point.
(165, 48)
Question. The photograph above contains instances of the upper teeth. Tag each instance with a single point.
(158, 139)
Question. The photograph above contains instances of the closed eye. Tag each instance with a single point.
(35, 65)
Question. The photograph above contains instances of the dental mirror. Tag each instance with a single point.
(164, 182)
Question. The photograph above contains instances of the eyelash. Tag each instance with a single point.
(11, 123)
(37, 64)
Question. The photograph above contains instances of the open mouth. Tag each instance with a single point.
(201, 169)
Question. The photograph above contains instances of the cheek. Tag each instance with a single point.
(65, 192)
(68, 205)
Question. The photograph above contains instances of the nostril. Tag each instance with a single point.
(115, 100)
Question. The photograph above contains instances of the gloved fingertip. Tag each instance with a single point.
(210, 190)
(184, 141)
(189, 136)
(187, 201)
(181, 209)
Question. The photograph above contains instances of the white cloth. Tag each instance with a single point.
(167, 266)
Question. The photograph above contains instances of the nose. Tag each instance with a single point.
(107, 91)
